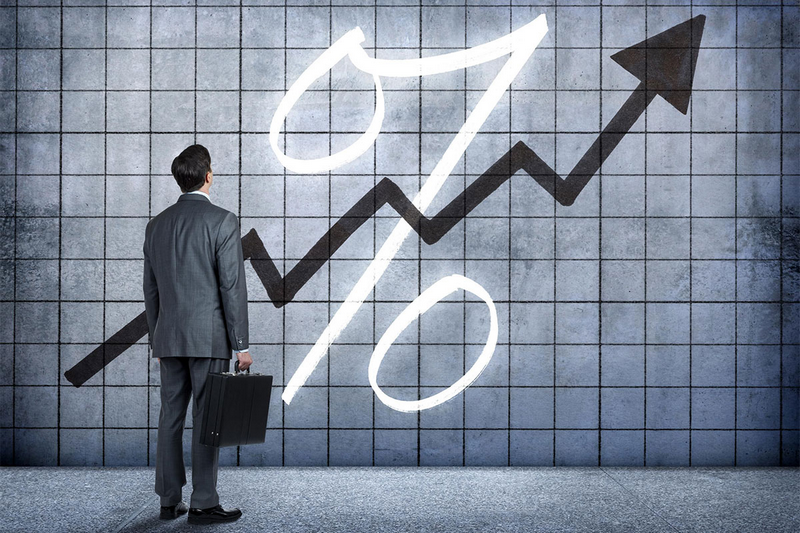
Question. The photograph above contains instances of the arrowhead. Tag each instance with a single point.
(665, 63)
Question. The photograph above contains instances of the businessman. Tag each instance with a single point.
(196, 302)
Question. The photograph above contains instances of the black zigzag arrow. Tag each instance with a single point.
(664, 64)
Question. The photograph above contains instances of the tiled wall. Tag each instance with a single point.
(653, 322)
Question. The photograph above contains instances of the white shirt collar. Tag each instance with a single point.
(200, 192)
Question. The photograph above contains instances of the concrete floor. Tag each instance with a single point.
(375, 499)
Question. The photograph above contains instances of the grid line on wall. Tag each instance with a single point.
(782, 259)
(555, 236)
(508, 294)
(600, 260)
(374, 226)
(283, 263)
(432, 4)
(60, 207)
(463, 265)
(239, 178)
(419, 246)
(105, 213)
(644, 288)
(691, 253)
(328, 264)
(736, 255)
(14, 254)
(150, 387)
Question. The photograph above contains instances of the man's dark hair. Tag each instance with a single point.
(190, 167)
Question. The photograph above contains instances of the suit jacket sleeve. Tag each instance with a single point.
(151, 301)
(232, 282)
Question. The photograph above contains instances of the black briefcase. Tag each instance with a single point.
(236, 408)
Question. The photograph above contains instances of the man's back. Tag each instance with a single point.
(194, 281)
(195, 296)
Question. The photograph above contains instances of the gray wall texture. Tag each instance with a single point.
(653, 322)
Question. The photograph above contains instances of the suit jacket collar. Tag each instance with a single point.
(195, 197)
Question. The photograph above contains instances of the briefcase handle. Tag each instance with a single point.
(237, 371)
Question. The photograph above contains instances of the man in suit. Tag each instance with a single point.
(196, 302)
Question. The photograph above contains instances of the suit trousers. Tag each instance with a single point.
(182, 377)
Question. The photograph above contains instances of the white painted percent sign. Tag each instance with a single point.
(520, 44)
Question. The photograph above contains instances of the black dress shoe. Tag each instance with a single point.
(173, 511)
(213, 515)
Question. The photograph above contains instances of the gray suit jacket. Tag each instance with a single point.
(195, 292)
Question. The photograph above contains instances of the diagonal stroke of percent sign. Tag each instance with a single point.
(664, 64)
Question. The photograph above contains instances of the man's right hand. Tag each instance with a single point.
(244, 360)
